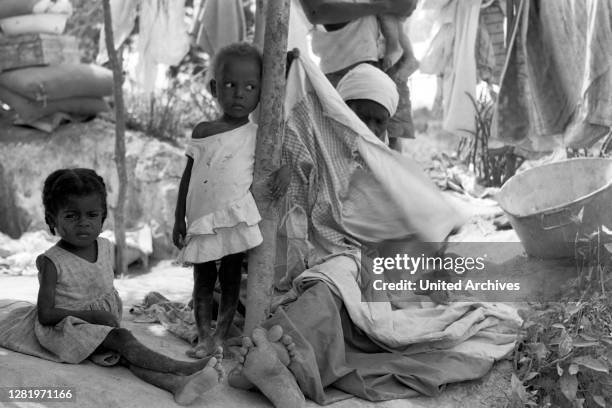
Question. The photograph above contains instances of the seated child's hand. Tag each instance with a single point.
(178, 233)
(279, 182)
(105, 318)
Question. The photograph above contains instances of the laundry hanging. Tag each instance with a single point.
(162, 36)
(219, 23)
(556, 86)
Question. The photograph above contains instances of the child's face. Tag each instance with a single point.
(374, 115)
(237, 86)
(79, 221)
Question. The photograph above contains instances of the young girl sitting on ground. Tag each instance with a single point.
(214, 194)
(78, 310)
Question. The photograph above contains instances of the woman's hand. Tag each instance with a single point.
(279, 182)
(178, 233)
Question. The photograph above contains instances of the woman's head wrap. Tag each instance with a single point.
(365, 81)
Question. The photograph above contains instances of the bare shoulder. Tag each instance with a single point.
(205, 129)
(45, 265)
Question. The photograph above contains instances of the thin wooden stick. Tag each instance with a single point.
(119, 211)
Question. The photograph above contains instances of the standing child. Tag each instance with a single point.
(78, 310)
(214, 194)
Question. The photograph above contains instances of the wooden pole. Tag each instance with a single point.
(267, 159)
(116, 66)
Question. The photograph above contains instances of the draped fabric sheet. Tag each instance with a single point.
(452, 54)
(556, 85)
(162, 35)
(219, 23)
(329, 149)
(345, 184)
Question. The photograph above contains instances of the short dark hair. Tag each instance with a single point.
(64, 183)
(240, 49)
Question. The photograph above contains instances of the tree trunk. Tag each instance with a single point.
(116, 65)
(267, 159)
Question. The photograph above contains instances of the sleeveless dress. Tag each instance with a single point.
(81, 285)
(222, 217)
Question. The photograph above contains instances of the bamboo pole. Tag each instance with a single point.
(267, 159)
(119, 212)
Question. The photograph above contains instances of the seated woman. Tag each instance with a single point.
(333, 334)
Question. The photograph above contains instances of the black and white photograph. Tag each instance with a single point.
(304, 203)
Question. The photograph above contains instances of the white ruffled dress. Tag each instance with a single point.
(222, 217)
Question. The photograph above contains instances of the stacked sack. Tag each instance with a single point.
(41, 76)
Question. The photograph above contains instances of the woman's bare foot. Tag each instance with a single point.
(193, 386)
(263, 368)
(204, 348)
(285, 351)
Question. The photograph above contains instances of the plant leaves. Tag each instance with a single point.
(558, 326)
(539, 349)
(519, 389)
(580, 343)
(591, 363)
(587, 337)
(569, 386)
(573, 369)
(565, 347)
(599, 400)
(572, 309)
(530, 376)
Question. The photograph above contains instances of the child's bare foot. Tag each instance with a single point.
(204, 348)
(392, 54)
(407, 66)
(189, 368)
(193, 386)
(261, 366)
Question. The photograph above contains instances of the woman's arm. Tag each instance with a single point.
(341, 11)
(49, 315)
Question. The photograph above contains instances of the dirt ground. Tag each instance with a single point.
(96, 386)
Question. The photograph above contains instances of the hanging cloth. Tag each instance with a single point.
(219, 23)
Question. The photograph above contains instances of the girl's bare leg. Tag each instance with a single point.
(185, 388)
(123, 342)
(204, 279)
(230, 275)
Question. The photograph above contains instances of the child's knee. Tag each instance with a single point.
(122, 335)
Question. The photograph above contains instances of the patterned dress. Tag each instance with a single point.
(81, 285)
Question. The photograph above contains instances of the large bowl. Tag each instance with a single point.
(34, 23)
(552, 205)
